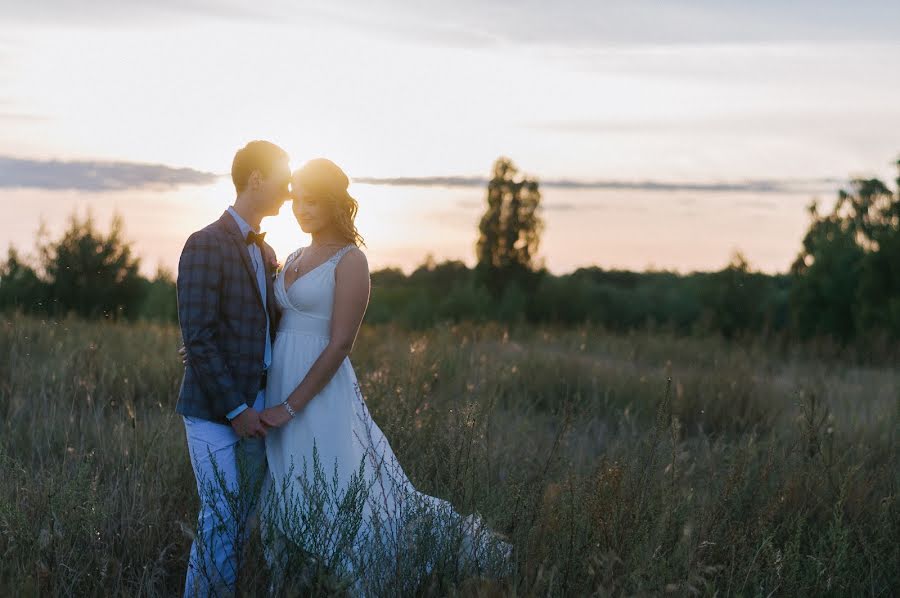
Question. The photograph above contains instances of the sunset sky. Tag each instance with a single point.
(139, 106)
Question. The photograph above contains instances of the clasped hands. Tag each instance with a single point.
(250, 422)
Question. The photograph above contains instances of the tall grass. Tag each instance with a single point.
(637, 463)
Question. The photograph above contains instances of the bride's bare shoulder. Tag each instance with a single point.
(354, 262)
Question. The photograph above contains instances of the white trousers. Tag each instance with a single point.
(229, 471)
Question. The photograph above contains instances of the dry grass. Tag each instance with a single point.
(761, 472)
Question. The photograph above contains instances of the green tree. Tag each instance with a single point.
(879, 284)
(20, 286)
(159, 299)
(92, 274)
(510, 229)
(847, 277)
(737, 300)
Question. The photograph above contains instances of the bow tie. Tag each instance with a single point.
(257, 238)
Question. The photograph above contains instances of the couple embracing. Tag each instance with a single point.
(269, 391)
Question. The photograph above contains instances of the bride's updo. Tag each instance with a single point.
(322, 179)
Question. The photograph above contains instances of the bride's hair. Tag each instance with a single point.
(323, 179)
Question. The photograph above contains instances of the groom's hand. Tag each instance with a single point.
(247, 424)
(274, 417)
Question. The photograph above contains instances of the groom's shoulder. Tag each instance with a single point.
(206, 239)
(213, 230)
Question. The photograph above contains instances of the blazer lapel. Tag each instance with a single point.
(235, 234)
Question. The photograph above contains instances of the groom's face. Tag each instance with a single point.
(273, 190)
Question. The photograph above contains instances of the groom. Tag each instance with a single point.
(228, 317)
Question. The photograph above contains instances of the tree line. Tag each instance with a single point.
(843, 284)
(88, 273)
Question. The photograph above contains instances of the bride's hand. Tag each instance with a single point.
(275, 417)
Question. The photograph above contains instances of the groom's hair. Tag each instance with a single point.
(256, 155)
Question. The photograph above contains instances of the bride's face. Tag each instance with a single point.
(312, 214)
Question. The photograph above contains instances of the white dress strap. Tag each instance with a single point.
(340, 253)
(292, 257)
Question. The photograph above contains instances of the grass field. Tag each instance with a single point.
(761, 471)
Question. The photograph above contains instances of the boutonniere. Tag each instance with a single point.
(274, 267)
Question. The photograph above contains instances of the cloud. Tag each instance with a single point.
(577, 23)
(127, 13)
(95, 175)
(744, 186)
(413, 26)
(86, 175)
(588, 23)
(787, 121)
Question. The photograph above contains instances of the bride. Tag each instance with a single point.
(335, 489)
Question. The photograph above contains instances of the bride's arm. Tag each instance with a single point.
(351, 297)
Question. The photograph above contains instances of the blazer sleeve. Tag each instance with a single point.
(199, 289)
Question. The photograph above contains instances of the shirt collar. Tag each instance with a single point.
(242, 224)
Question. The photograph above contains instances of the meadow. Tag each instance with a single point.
(618, 463)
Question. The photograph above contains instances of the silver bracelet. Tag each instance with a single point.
(290, 409)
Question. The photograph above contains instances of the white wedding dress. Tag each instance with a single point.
(336, 431)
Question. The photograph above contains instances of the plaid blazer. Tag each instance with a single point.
(223, 320)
